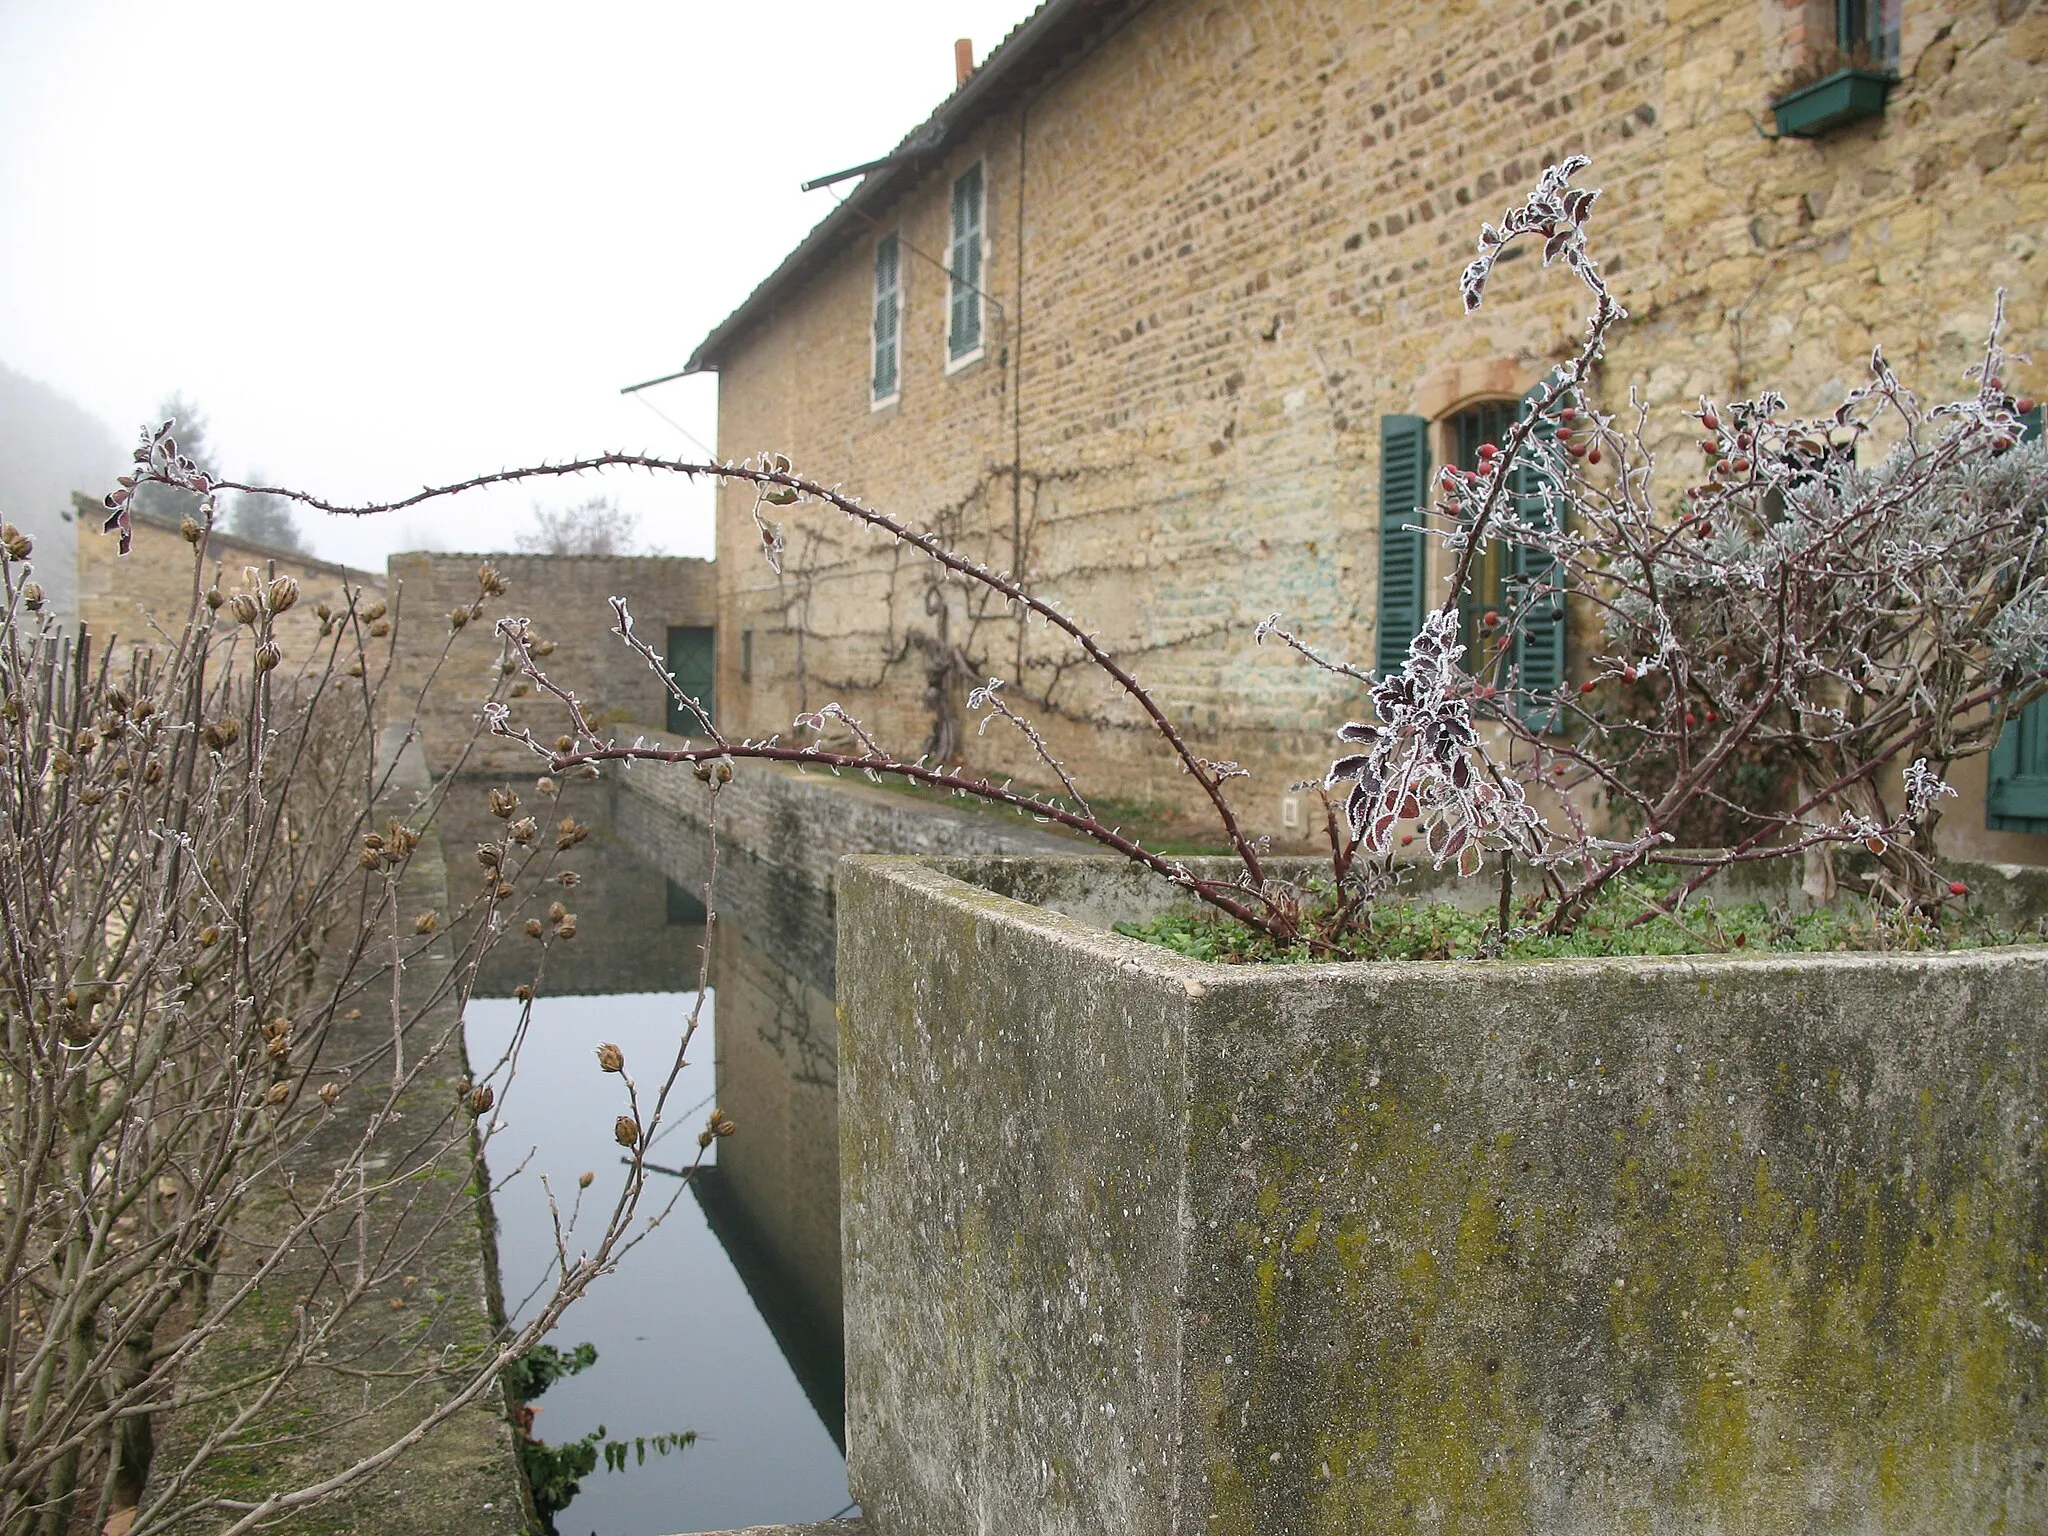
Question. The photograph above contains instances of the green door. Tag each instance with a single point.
(689, 662)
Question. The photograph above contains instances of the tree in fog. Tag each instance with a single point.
(596, 526)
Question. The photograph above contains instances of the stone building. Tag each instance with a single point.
(1160, 307)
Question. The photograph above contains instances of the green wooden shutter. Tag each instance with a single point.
(690, 651)
(1404, 486)
(888, 297)
(963, 332)
(1539, 632)
(2016, 798)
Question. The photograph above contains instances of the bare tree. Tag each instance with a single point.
(597, 525)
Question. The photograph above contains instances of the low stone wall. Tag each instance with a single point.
(1139, 1245)
(144, 597)
(803, 823)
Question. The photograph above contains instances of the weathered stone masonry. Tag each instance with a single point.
(1223, 242)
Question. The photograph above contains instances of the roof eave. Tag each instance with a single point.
(1011, 62)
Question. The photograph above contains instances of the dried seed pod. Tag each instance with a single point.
(91, 794)
(282, 593)
(488, 855)
(566, 928)
(329, 1093)
(32, 596)
(489, 580)
(278, 1048)
(209, 936)
(268, 655)
(556, 912)
(380, 628)
(60, 762)
(189, 530)
(84, 742)
(534, 928)
(354, 668)
(565, 743)
(426, 922)
(502, 802)
(504, 889)
(545, 785)
(322, 612)
(523, 992)
(244, 609)
(215, 597)
(568, 877)
(542, 648)
(524, 830)
(374, 612)
(19, 546)
(626, 1131)
(457, 617)
(610, 1058)
(278, 1093)
(481, 1098)
(585, 1179)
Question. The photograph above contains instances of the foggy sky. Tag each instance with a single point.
(389, 244)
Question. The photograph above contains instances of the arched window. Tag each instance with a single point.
(1511, 584)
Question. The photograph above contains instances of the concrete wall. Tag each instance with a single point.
(1224, 243)
(568, 599)
(1140, 1245)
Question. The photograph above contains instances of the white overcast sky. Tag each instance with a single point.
(386, 244)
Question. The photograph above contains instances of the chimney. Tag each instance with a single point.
(963, 61)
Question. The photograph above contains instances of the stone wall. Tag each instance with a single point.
(446, 674)
(1224, 242)
(1142, 1245)
(145, 596)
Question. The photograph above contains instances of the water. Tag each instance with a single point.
(725, 1320)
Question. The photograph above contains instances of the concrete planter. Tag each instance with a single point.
(1135, 1244)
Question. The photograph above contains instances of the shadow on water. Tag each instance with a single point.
(728, 1320)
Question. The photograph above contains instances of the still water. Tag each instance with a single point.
(725, 1320)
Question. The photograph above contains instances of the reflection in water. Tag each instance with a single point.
(727, 1320)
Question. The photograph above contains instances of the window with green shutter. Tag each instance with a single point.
(2016, 797)
(963, 328)
(1538, 595)
(1404, 486)
(690, 652)
(888, 317)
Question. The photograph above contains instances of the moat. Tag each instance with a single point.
(726, 1320)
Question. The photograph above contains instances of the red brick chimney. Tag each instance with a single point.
(963, 61)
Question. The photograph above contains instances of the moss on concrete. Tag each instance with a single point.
(1743, 1244)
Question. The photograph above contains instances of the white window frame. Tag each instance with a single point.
(883, 402)
(980, 290)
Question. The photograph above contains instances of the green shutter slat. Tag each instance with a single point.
(691, 655)
(888, 303)
(2016, 797)
(963, 332)
(1540, 630)
(1404, 482)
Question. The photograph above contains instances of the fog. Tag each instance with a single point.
(392, 244)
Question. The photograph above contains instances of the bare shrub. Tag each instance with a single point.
(236, 1120)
